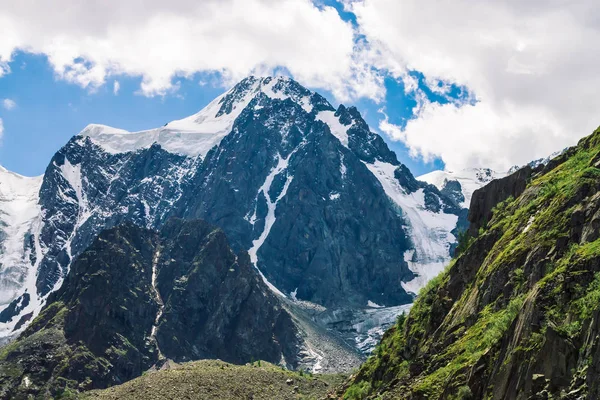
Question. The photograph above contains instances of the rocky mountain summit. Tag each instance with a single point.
(515, 315)
(327, 213)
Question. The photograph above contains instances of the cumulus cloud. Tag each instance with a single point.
(88, 42)
(9, 104)
(531, 65)
(116, 87)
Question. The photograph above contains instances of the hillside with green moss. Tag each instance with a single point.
(516, 315)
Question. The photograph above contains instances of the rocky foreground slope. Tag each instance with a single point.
(516, 315)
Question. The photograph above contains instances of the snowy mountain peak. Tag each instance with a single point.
(538, 162)
(280, 88)
(461, 184)
(289, 179)
(197, 134)
(13, 185)
(483, 175)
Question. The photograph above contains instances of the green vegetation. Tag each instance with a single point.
(585, 306)
(400, 320)
(485, 333)
(358, 392)
(219, 380)
(538, 278)
(464, 393)
(464, 241)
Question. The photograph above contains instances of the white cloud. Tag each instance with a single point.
(532, 66)
(116, 87)
(9, 104)
(1, 129)
(87, 42)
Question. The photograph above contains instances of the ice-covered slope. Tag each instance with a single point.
(430, 228)
(19, 212)
(468, 181)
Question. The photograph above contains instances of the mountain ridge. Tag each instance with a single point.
(326, 210)
(136, 298)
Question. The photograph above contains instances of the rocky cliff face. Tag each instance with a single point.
(137, 297)
(515, 316)
(323, 207)
(486, 199)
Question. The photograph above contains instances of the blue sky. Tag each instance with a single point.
(49, 111)
(515, 83)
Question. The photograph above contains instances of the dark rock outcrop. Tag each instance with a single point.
(86, 190)
(15, 306)
(453, 189)
(136, 297)
(485, 199)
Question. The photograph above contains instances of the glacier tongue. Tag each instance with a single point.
(430, 231)
(19, 210)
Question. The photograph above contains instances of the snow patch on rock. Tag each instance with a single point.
(282, 164)
(373, 305)
(337, 129)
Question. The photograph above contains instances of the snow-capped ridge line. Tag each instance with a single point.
(470, 179)
(197, 134)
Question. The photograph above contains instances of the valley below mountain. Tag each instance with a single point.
(221, 381)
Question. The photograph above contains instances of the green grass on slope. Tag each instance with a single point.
(536, 221)
(213, 379)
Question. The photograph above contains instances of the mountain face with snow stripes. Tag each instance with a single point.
(323, 207)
